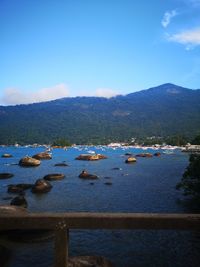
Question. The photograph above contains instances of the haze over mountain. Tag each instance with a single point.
(159, 111)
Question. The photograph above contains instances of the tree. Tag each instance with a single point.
(196, 140)
(61, 142)
(177, 140)
(190, 182)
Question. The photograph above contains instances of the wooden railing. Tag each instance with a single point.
(62, 222)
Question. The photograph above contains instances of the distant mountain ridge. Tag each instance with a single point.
(164, 110)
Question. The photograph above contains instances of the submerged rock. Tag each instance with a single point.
(54, 176)
(61, 164)
(6, 175)
(108, 183)
(41, 186)
(85, 175)
(17, 188)
(144, 155)
(89, 261)
(128, 154)
(42, 155)
(29, 162)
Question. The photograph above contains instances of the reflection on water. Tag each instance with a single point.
(145, 186)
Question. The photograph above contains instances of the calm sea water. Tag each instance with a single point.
(146, 186)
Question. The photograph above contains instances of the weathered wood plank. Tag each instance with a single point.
(61, 247)
(84, 220)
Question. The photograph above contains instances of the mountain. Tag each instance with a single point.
(159, 111)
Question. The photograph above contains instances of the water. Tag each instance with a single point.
(146, 186)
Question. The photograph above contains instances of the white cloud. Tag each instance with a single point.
(106, 92)
(190, 38)
(167, 17)
(13, 96)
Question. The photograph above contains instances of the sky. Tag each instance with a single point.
(64, 48)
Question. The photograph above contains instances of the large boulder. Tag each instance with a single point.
(29, 162)
(89, 261)
(41, 186)
(42, 155)
(6, 175)
(85, 175)
(54, 176)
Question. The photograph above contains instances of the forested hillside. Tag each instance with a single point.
(160, 111)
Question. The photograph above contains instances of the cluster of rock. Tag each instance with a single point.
(35, 160)
(91, 157)
(40, 186)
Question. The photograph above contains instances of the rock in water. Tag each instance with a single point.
(91, 157)
(42, 155)
(19, 201)
(29, 162)
(6, 155)
(54, 176)
(130, 160)
(17, 188)
(41, 186)
(5, 175)
(85, 175)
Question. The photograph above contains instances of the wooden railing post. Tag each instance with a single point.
(61, 247)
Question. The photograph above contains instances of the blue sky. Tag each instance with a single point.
(51, 49)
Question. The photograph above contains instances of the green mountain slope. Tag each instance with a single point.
(161, 111)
